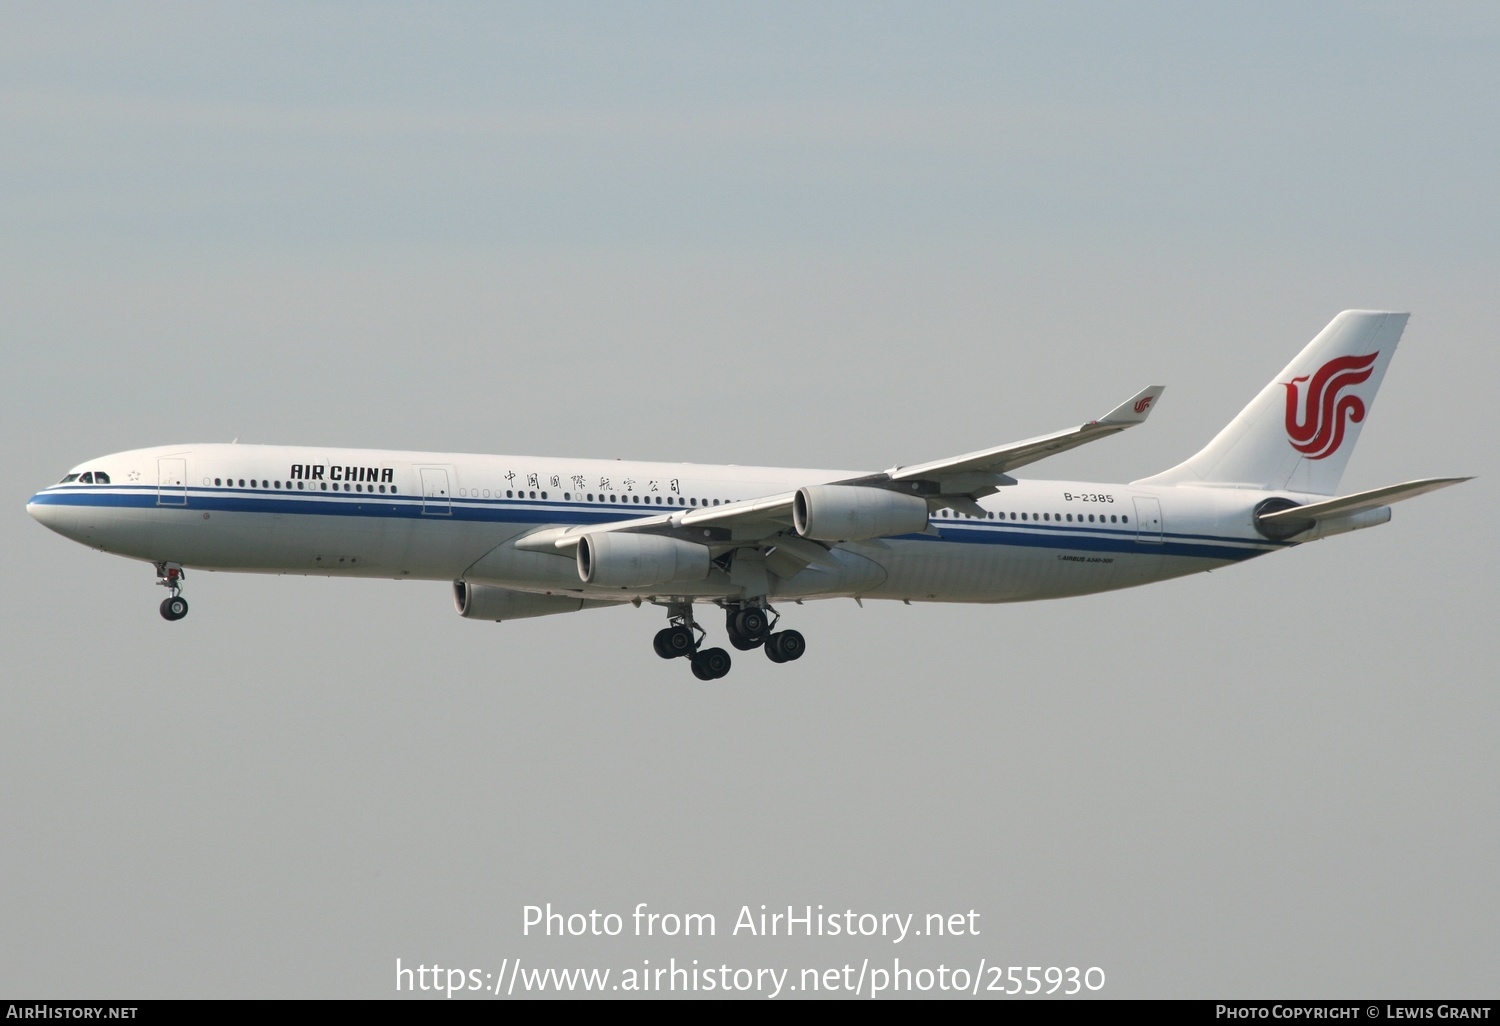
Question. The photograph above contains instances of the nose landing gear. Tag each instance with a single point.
(170, 575)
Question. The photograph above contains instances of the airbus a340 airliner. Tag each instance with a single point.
(523, 536)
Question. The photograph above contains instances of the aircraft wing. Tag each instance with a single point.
(955, 482)
(1005, 458)
(743, 520)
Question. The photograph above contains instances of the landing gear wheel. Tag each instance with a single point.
(174, 608)
(751, 623)
(748, 628)
(784, 646)
(671, 642)
(679, 641)
(711, 664)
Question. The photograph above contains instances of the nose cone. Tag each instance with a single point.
(38, 510)
(55, 516)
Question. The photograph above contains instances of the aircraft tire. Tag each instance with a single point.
(676, 641)
(784, 646)
(658, 643)
(751, 624)
(773, 649)
(711, 664)
(792, 645)
(174, 608)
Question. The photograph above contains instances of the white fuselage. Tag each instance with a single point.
(449, 516)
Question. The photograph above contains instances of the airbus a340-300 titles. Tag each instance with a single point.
(522, 536)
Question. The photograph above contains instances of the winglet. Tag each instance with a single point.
(1135, 409)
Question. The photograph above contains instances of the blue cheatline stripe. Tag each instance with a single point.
(563, 513)
(1230, 549)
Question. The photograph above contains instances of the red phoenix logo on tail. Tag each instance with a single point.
(1315, 425)
(1142, 404)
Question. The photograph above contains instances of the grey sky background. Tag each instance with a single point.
(843, 235)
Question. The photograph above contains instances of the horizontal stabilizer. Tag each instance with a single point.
(1348, 505)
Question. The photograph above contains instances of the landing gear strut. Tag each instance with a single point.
(170, 575)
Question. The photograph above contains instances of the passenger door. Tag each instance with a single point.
(1147, 520)
(171, 481)
(437, 499)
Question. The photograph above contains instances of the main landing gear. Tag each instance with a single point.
(683, 637)
(170, 575)
(749, 627)
(752, 627)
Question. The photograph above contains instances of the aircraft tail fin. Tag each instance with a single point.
(1299, 431)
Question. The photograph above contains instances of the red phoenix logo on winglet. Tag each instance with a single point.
(1315, 425)
(1141, 404)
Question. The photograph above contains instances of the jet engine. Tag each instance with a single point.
(614, 559)
(835, 513)
(487, 602)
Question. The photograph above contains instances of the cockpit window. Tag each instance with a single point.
(100, 477)
(87, 478)
(70, 477)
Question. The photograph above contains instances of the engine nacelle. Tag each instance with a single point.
(487, 602)
(614, 559)
(836, 513)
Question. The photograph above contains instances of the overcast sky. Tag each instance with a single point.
(845, 235)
